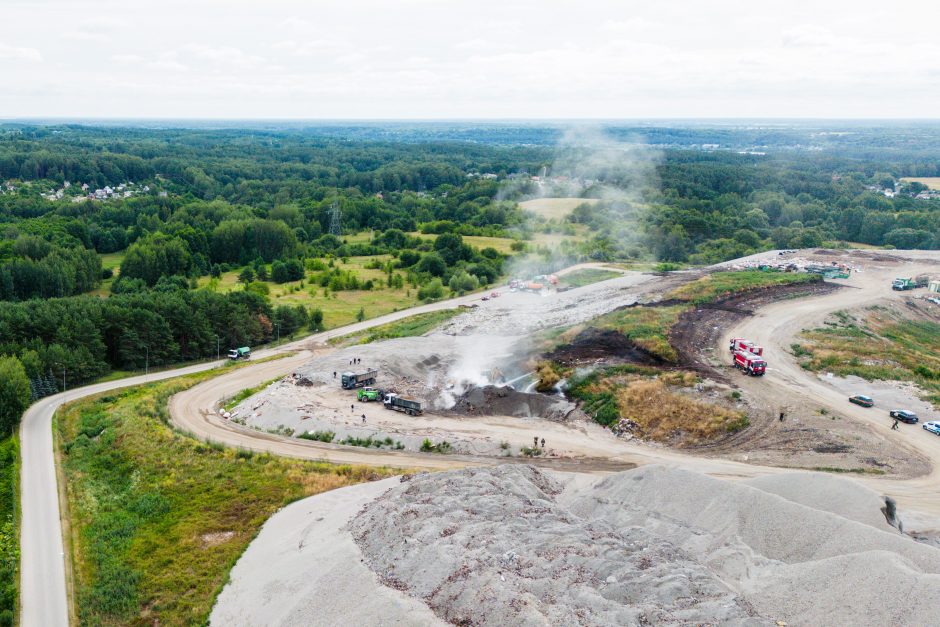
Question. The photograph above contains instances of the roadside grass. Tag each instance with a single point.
(158, 518)
(718, 285)
(648, 398)
(415, 325)
(242, 395)
(880, 346)
(580, 278)
(9, 529)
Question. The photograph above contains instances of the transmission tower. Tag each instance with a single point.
(336, 220)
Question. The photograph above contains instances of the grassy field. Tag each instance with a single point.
(554, 208)
(9, 528)
(418, 324)
(648, 327)
(652, 403)
(158, 518)
(339, 308)
(580, 278)
(110, 261)
(879, 345)
(933, 182)
(719, 285)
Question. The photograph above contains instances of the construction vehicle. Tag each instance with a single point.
(921, 280)
(239, 353)
(750, 364)
(741, 344)
(901, 284)
(366, 395)
(400, 403)
(352, 380)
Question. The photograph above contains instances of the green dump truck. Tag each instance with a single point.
(901, 284)
(366, 395)
(353, 380)
(239, 353)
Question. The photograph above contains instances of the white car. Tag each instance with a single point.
(933, 426)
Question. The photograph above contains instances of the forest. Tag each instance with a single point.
(182, 211)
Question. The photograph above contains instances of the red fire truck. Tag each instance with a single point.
(750, 363)
(741, 344)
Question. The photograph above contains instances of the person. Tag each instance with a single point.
(334, 374)
(894, 427)
(543, 442)
(352, 407)
(535, 442)
(781, 416)
(363, 419)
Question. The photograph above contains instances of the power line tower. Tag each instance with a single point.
(336, 219)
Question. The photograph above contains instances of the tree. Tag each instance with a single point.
(433, 264)
(361, 314)
(316, 319)
(247, 275)
(14, 393)
(463, 282)
(433, 290)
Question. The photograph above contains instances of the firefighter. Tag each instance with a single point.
(543, 442)
(535, 442)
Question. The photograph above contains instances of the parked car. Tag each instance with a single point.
(933, 426)
(903, 415)
(861, 399)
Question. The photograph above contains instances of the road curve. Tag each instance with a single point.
(44, 600)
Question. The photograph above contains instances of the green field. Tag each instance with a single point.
(158, 518)
(580, 278)
(415, 325)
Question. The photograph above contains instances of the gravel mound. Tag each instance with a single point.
(494, 547)
(515, 545)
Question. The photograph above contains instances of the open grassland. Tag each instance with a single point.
(554, 208)
(649, 405)
(418, 324)
(9, 528)
(932, 182)
(158, 518)
(877, 345)
(647, 327)
(580, 278)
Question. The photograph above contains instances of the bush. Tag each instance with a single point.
(431, 291)
(463, 282)
(318, 436)
(15, 393)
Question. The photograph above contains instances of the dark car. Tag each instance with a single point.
(861, 399)
(903, 415)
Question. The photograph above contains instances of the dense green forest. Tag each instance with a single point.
(181, 205)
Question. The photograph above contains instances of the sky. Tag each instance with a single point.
(480, 59)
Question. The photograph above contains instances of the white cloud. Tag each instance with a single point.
(19, 54)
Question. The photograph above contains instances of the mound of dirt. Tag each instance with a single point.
(515, 545)
(491, 400)
(594, 344)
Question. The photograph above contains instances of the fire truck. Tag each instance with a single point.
(741, 344)
(749, 363)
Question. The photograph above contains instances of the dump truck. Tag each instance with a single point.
(239, 353)
(750, 364)
(353, 380)
(400, 403)
(366, 395)
(901, 284)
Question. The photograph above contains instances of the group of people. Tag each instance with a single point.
(535, 442)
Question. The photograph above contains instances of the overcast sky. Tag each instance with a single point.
(469, 59)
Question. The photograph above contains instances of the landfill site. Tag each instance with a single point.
(819, 511)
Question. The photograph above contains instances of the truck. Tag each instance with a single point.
(742, 344)
(749, 363)
(353, 380)
(921, 280)
(239, 353)
(901, 284)
(400, 403)
(368, 394)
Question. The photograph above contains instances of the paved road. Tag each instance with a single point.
(43, 596)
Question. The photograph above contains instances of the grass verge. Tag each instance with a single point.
(418, 324)
(718, 285)
(158, 518)
(9, 529)
(238, 398)
(586, 276)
